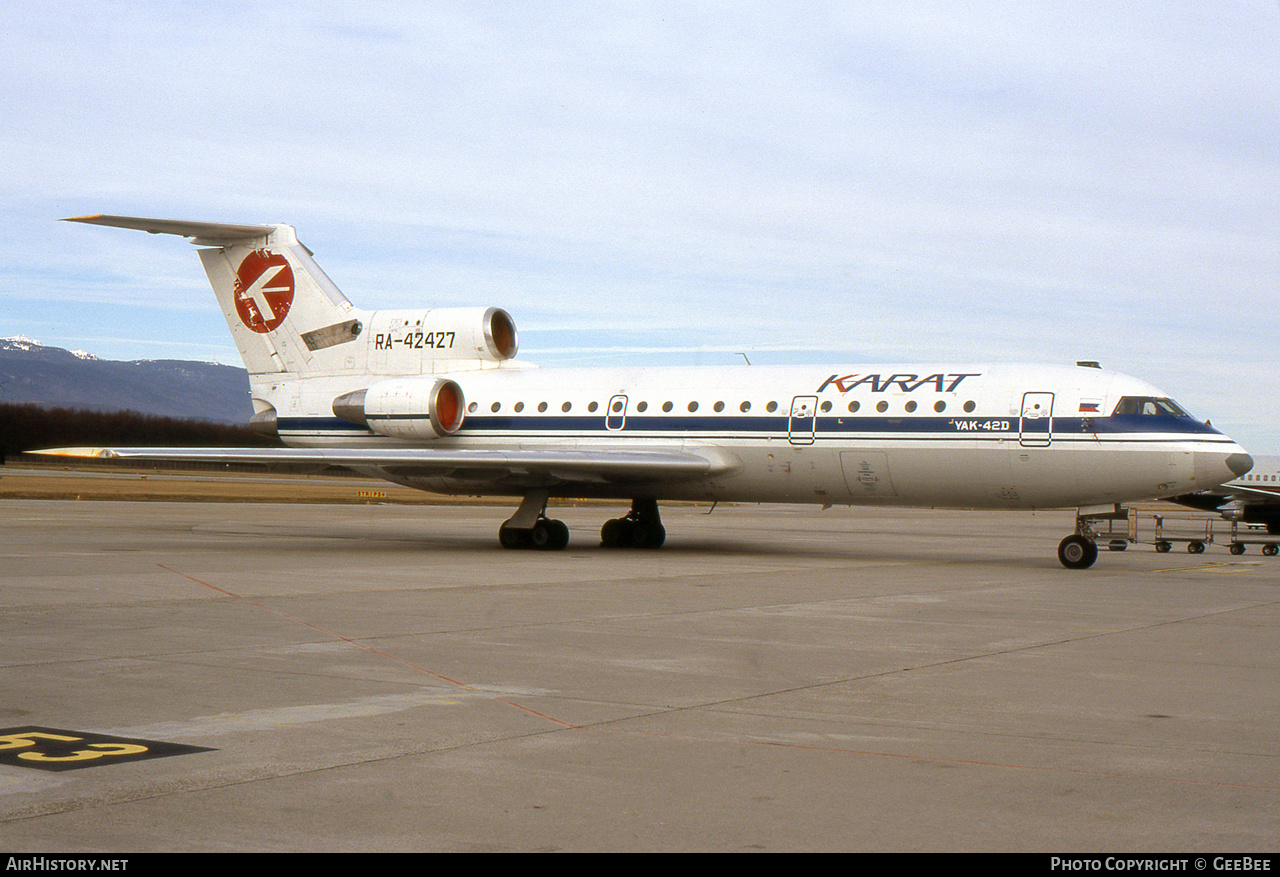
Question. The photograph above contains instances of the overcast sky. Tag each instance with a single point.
(674, 183)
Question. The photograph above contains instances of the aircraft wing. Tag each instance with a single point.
(517, 467)
(1252, 494)
(1228, 494)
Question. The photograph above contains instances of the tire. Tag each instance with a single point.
(541, 536)
(611, 534)
(1077, 552)
(510, 537)
(559, 534)
(549, 535)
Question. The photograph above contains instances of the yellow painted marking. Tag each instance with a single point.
(100, 749)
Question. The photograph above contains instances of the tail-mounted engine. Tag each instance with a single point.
(405, 408)
(409, 342)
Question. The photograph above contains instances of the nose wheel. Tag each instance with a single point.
(1077, 552)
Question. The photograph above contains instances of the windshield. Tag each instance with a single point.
(1149, 406)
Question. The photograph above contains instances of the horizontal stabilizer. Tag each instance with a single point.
(207, 233)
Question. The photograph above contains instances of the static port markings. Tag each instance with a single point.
(57, 749)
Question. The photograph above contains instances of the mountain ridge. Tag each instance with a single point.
(40, 374)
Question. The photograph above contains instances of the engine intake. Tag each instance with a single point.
(406, 408)
(404, 342)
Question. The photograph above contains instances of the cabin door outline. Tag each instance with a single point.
(1035, 425)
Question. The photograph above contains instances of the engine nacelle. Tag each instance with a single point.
(406, 342)
(405, 408)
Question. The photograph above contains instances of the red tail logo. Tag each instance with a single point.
(264, 290)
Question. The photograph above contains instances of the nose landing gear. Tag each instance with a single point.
(1080, 549)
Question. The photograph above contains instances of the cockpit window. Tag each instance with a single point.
(1149, 406)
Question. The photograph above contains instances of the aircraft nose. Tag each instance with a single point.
(1239, 463)
(1213, 469)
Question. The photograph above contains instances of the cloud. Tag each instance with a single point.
(920, 180)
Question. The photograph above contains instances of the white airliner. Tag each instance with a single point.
(434, 398)
(1252, 498)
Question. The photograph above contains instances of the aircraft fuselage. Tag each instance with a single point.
(993, 436)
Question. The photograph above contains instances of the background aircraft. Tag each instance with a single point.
(1252, 498)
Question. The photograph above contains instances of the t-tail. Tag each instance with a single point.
(290, 322)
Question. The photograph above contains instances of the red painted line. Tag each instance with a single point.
(866, 753)
(318, 629)
(367, 648)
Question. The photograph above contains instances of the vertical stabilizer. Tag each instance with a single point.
(285, 314)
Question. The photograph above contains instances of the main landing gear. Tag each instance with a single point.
(530, 527)
(640, 528)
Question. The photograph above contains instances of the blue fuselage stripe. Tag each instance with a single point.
(1064, 429)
